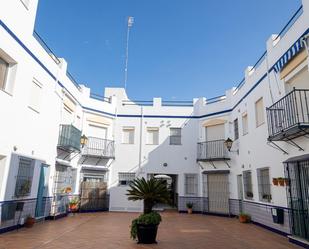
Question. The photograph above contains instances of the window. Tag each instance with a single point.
(4, 67)
(35, 95)
(245, 124)
(236, 131)
(259, 112)
(152, 135)
(191, 184)
(264, 184)
(248, 184)
(128, 135)
(24, 177)
(175, 136)
(125, 178)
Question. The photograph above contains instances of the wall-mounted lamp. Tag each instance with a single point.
(83, 140)
(229, 143)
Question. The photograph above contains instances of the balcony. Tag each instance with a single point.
(69, 138)
(212, 151)
(288, 118)
(98, 147)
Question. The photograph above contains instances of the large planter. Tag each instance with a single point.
(147, 234)
(189, 210)
(29, 222)
(73, 207)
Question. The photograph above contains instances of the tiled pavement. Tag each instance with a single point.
(111, 231)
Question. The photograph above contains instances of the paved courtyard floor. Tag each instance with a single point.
(111, 231)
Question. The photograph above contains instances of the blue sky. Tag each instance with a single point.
(179, 49)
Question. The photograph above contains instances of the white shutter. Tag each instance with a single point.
(245, 124)
(35, 95)
(128, 135)
(215, 132)
(3, 72)
(67, 116)
(152, 136)
(259, 112)
(97, 131)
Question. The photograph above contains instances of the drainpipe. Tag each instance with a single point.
(140, 142)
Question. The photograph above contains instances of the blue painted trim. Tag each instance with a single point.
(270, 228)
(127, 115)
(299, 243)
(10, 228)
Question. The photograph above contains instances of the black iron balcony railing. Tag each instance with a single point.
(288, 118)
(69, 137)
(212, 151)
(99, 147)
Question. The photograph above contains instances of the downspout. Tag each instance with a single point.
(140, 142)
(269, 83)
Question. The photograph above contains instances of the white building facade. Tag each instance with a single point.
(60, 141)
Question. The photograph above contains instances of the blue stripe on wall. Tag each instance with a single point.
(128, 115)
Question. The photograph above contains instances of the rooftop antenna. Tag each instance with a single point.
(130, 24)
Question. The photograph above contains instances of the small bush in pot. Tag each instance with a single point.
(189, 207)
(151, 192)
(73, 204)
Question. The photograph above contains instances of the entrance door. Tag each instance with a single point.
(218, 193)
(93, 195)
(298, 196)
(40, 207)
(240, 191)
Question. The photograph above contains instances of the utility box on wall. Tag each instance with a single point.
(278, 215)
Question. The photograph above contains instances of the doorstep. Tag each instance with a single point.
(299, 241)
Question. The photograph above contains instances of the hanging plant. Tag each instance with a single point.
(275, 181)
(281, 181)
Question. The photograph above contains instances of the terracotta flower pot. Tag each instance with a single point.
(29, 222)
(189, 210)
(73, 207)
(275, 181)
(243, 219)
(281, 182)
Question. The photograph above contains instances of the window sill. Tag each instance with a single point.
(34, 110)
(152, 144)
(127, 144)
(175, 144)
(2, 90)
(244, 134)
(258, 125)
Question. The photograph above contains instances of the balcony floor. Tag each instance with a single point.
(111, 231)
(291, 133)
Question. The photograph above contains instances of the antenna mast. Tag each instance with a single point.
(130, 24)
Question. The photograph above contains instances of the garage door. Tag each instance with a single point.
(218, 193)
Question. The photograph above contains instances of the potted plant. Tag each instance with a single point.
(275, 181)
(151, 192)
(244, 218)
(287, 181)
(189, 207)
(73, 204)
(281, 181)
(29, 222)
(267, 197)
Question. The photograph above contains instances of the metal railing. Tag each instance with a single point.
(212, 150)
(99, 147)
(99, 97)
(215, 99)
(69, 137)
(289, 112)
(46, 48)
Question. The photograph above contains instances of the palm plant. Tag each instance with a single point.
(151, 191)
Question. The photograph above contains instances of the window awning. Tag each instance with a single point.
(293, 50)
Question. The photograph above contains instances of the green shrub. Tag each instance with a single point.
(189, 204)
(153, 218)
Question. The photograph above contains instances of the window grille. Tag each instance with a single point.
(24, 177)
(264, 185)
(175, 136)
(236, 131)
(125, 178)
(247, 178)
(191, 184)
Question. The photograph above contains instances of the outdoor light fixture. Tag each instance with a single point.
(228, 143)
(83, 140)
